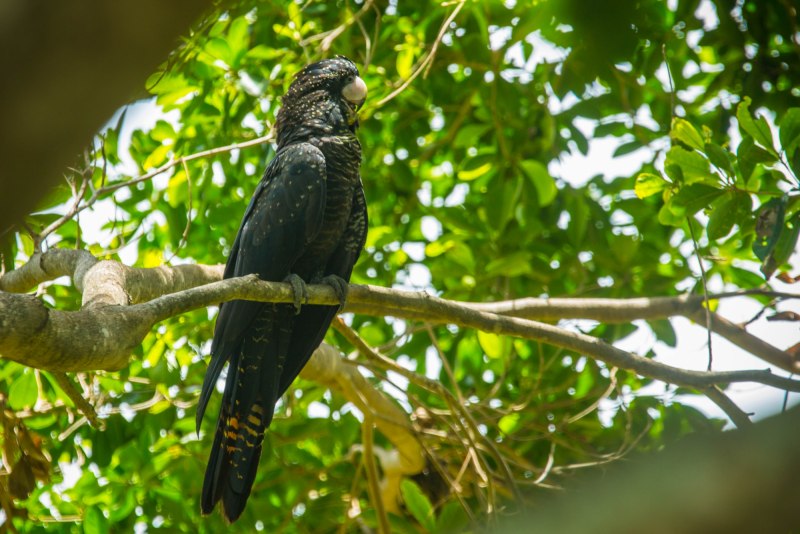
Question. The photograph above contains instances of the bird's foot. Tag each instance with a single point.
(299, 291)
(340, 287)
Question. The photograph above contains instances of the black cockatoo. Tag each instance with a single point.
(306, 223)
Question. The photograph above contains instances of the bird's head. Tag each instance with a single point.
(327, 93)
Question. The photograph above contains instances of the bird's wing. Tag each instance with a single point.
(284, 215)
(311, 324)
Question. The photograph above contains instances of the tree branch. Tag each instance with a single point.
(327, 367)
(627, 310)
(101, 335)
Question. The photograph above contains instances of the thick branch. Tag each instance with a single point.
(328, 368)
(100, 335)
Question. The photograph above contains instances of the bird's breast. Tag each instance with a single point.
(342, 161)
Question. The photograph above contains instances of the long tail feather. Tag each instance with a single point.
(247, 408)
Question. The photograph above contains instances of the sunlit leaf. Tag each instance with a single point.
(23, 391)
(405, 62)
(94, 522)
(683, 131)
(238, 39)
(508, 423)
(495, 346)
(648, 184)
(219, 49)
(475, 167)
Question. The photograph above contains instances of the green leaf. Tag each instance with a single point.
(452, 518)
(663, 330)
(417, 503)
(469, 135)
(648, 184)
(509, 423)
(720, 157)
(744, 278)
(263, 52)
(758, 129)
(502, 196)
(476, 167)
(157, 157)
(162, 131)
(24, 391)
(512, 265)
(721, 219)
(784, 246)
(694, 167)
(238, 39)
(586, 381)
(578, 219)
(751, 155)
(692, 198)
(733, 208)
(405, 62)
(545, 186)
(218, 48)
(683, 131)
(495, 346)
(789, 133)
(626, 148)
(94, 522)
(769, 222)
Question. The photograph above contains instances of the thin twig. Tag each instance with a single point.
(592, 407)
(490, 444)
(329, 36)
(185, 235)
(71, 212)
(705, 290)
(739, 417)
(548, 466)
(80, 403)
(428, 58)
(372, 474)
(101, 191)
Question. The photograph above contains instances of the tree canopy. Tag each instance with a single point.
(481, 372)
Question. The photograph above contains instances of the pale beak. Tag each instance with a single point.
(355, 92)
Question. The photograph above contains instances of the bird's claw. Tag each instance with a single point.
(339, 286)
(299, 291)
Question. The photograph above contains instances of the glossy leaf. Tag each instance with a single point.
(418, 504)
(648, 184)
(757, 128)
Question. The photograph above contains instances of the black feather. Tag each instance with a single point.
(307, 217)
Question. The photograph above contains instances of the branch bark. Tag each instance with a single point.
(327, 367)
(117, 315)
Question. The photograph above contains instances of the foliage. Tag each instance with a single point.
(459, 132)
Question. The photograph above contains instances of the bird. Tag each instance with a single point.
(306, 224)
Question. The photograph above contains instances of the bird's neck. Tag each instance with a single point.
(311, 119)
